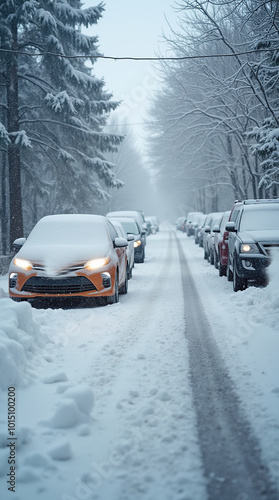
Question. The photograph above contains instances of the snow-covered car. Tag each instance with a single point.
(210, 236)
(154, 221)
(197, 233)
(253, 240)
(192, 222)
(221, 244)
(132, 228)
(70, 255)
(139, 230)
(207, 232)
(180, 224)
(130, 248)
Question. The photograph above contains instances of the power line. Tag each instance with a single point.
(128, 58)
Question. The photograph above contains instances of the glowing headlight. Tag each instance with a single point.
(24, 264)
(137, 243)
(96, 263)
(249, 248)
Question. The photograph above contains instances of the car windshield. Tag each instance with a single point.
(267, 219)
(216, 221)
(130, 227)
(67, 231)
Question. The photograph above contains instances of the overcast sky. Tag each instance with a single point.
(131, 28)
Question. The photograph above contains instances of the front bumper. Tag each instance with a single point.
(252, 267)
(31, 285)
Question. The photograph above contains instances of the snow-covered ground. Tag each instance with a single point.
(104, 405)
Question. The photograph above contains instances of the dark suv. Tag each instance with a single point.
(253, 236)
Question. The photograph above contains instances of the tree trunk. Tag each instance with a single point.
(232, 172)
(15, 201)
(4, 212)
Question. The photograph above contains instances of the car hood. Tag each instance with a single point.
(267, 235)
(62, 255)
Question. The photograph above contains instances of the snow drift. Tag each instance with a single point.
(20, 342)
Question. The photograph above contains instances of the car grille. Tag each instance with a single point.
(60, 272)
(54, 286)
(269, 248)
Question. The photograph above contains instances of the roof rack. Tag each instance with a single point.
(261, 200)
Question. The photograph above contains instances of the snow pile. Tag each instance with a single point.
(261, 305)
(20, 341)
(73, 408)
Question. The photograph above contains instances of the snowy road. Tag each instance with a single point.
(181, 408)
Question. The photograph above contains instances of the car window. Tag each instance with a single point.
(112, 231)
(224, 221)
(216, 221)
(259, 220)
(235, 214)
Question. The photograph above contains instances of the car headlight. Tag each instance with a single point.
(249, 248)
(97, 263)
(24, 264)
(137, 243)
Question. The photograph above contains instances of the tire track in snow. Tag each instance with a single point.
(135, 325)
(230, 452)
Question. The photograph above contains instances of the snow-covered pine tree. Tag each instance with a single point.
(53, 108)
(264, 21)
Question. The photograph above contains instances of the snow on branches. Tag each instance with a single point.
(267, 149)
(21, 139)
(4, 136)
(62, 102)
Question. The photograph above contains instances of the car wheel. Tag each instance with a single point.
(141, 260)
(238, 283)
(211, 257)
(113, 299)
(205, 255)
(124, 288)
(222, 269)
(229, 273)
(216, 262)
(130, 274)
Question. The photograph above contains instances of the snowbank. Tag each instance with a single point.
(20, 342)
(261, 305)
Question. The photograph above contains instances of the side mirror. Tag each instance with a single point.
(230, 227)
(207, 229)
(120, 243)
(216, 229)
(143, 232)
(18, 243)
(130, 237)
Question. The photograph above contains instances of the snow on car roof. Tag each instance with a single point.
(273, 205)
(68, 229)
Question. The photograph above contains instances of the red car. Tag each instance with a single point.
(221, 245)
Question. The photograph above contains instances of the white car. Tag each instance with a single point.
(130, 238)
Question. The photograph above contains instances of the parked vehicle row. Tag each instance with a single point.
(241, 242)
(78, 255)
